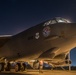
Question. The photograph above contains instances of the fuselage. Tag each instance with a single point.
(31, 43)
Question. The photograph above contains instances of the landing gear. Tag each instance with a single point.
(17, 67)
(23, 67)
(36, 65)
(7, 66)
(40, 66)
(20, 67)
(1, 67)
(69, 62)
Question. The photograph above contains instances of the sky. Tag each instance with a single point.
(19, 15)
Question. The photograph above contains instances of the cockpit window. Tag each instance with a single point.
(53, 21)
(62, 20)
(56, 20)
(50, 22)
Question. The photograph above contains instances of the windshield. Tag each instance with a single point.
(56, 20)
(62, 20)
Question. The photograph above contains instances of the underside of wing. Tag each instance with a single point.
(54, 59)
(49, 54)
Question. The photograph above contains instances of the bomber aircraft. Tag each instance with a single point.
(50, 41)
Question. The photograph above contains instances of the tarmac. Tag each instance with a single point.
(44, 72)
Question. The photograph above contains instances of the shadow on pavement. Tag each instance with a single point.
(14, 74)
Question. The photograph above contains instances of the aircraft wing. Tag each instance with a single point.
(4, 39)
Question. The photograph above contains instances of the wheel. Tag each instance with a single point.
(68, 62)
(17, 67)
(1, 67)
(36, 65)
(23, 66)
(8, 67)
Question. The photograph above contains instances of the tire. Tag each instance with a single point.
(1, 67)
(23, 66)
(17, 67)
(8, 67)
(36, 65)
